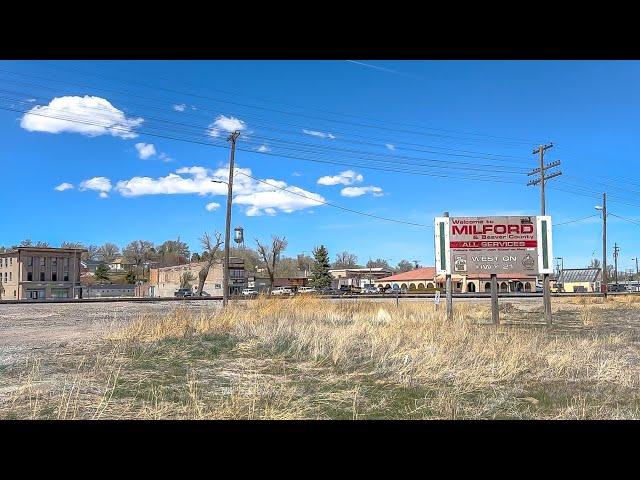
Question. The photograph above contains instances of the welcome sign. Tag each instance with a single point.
(504, 244)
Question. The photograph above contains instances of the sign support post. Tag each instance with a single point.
(449, 293)
(495, 313)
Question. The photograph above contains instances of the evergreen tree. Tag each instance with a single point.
(320, 276)
(102, 272)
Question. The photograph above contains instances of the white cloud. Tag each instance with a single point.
(348, 177)
(265, 197)
(164, 157)
(180, 107)
(88, 115)
(63, 186)
(296, 174)
(145, 150)
(97, 184)
(315, 133)
(212, 206)
(226, 124)
(359, 191)
(390, 146)
(263, 148)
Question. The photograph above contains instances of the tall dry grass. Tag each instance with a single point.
(309, 358)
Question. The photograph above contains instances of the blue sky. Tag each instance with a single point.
(393, 115)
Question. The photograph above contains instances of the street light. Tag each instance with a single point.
(561, 264)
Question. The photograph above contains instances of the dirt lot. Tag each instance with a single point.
(39, 327)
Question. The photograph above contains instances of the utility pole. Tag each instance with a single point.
(637, 271)
(541, 180)
(604, 243)
(616, 250)
(225, 266)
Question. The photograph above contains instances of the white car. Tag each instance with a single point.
(282, 291)
(249, 292)
(306, 290)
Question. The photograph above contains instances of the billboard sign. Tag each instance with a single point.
(516, 245)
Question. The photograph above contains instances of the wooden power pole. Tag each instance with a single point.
(604, 243)
(541, 180)
(227, 234)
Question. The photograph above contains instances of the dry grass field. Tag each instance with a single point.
(306, 358)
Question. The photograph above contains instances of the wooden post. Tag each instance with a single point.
(495, 315)
(449, 292)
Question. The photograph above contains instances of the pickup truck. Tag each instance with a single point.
(183, 292)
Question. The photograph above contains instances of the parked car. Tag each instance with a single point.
(369, 289)
(328, 291)
(249, 292)
(183, 292)
(282, 291)
(306, 290)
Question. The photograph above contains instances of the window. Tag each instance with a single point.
(29, 276)
(42, 276)
(54, 262)
(5, 277)
(10, 276)
(11, 261)
(14, 294)
(54, 276)
(65, 262)
(30, 261)
(42, 261)
(65, 277)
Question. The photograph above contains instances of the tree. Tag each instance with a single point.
(320, 276)
(131, 277)
(211, 249)
(404, 266)
(173, 252)
(108, 252)
(138, 252)
(41, 244)
(271, 254)
(195, 257)
(91, 253)
(287, 267)
(185, 279)
(102, 272)
(345, 260)
(26, 243)
(595, 263)
(378, 263)
(71, 245)
(305, 262)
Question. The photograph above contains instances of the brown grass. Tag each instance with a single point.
(309, 358)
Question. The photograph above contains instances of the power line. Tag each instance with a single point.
(493, 179)
(635, 222)
(236, 93)
(341, 136)
(576, 220)
(336, 205)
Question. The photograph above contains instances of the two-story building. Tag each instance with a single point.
(36, 273)
(164, 281)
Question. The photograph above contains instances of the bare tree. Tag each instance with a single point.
(91, 253)
(271, 254)
(108, 252)
(211, 249)
(345, 260)
(139, 252)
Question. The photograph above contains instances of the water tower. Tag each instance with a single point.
(238, 236)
